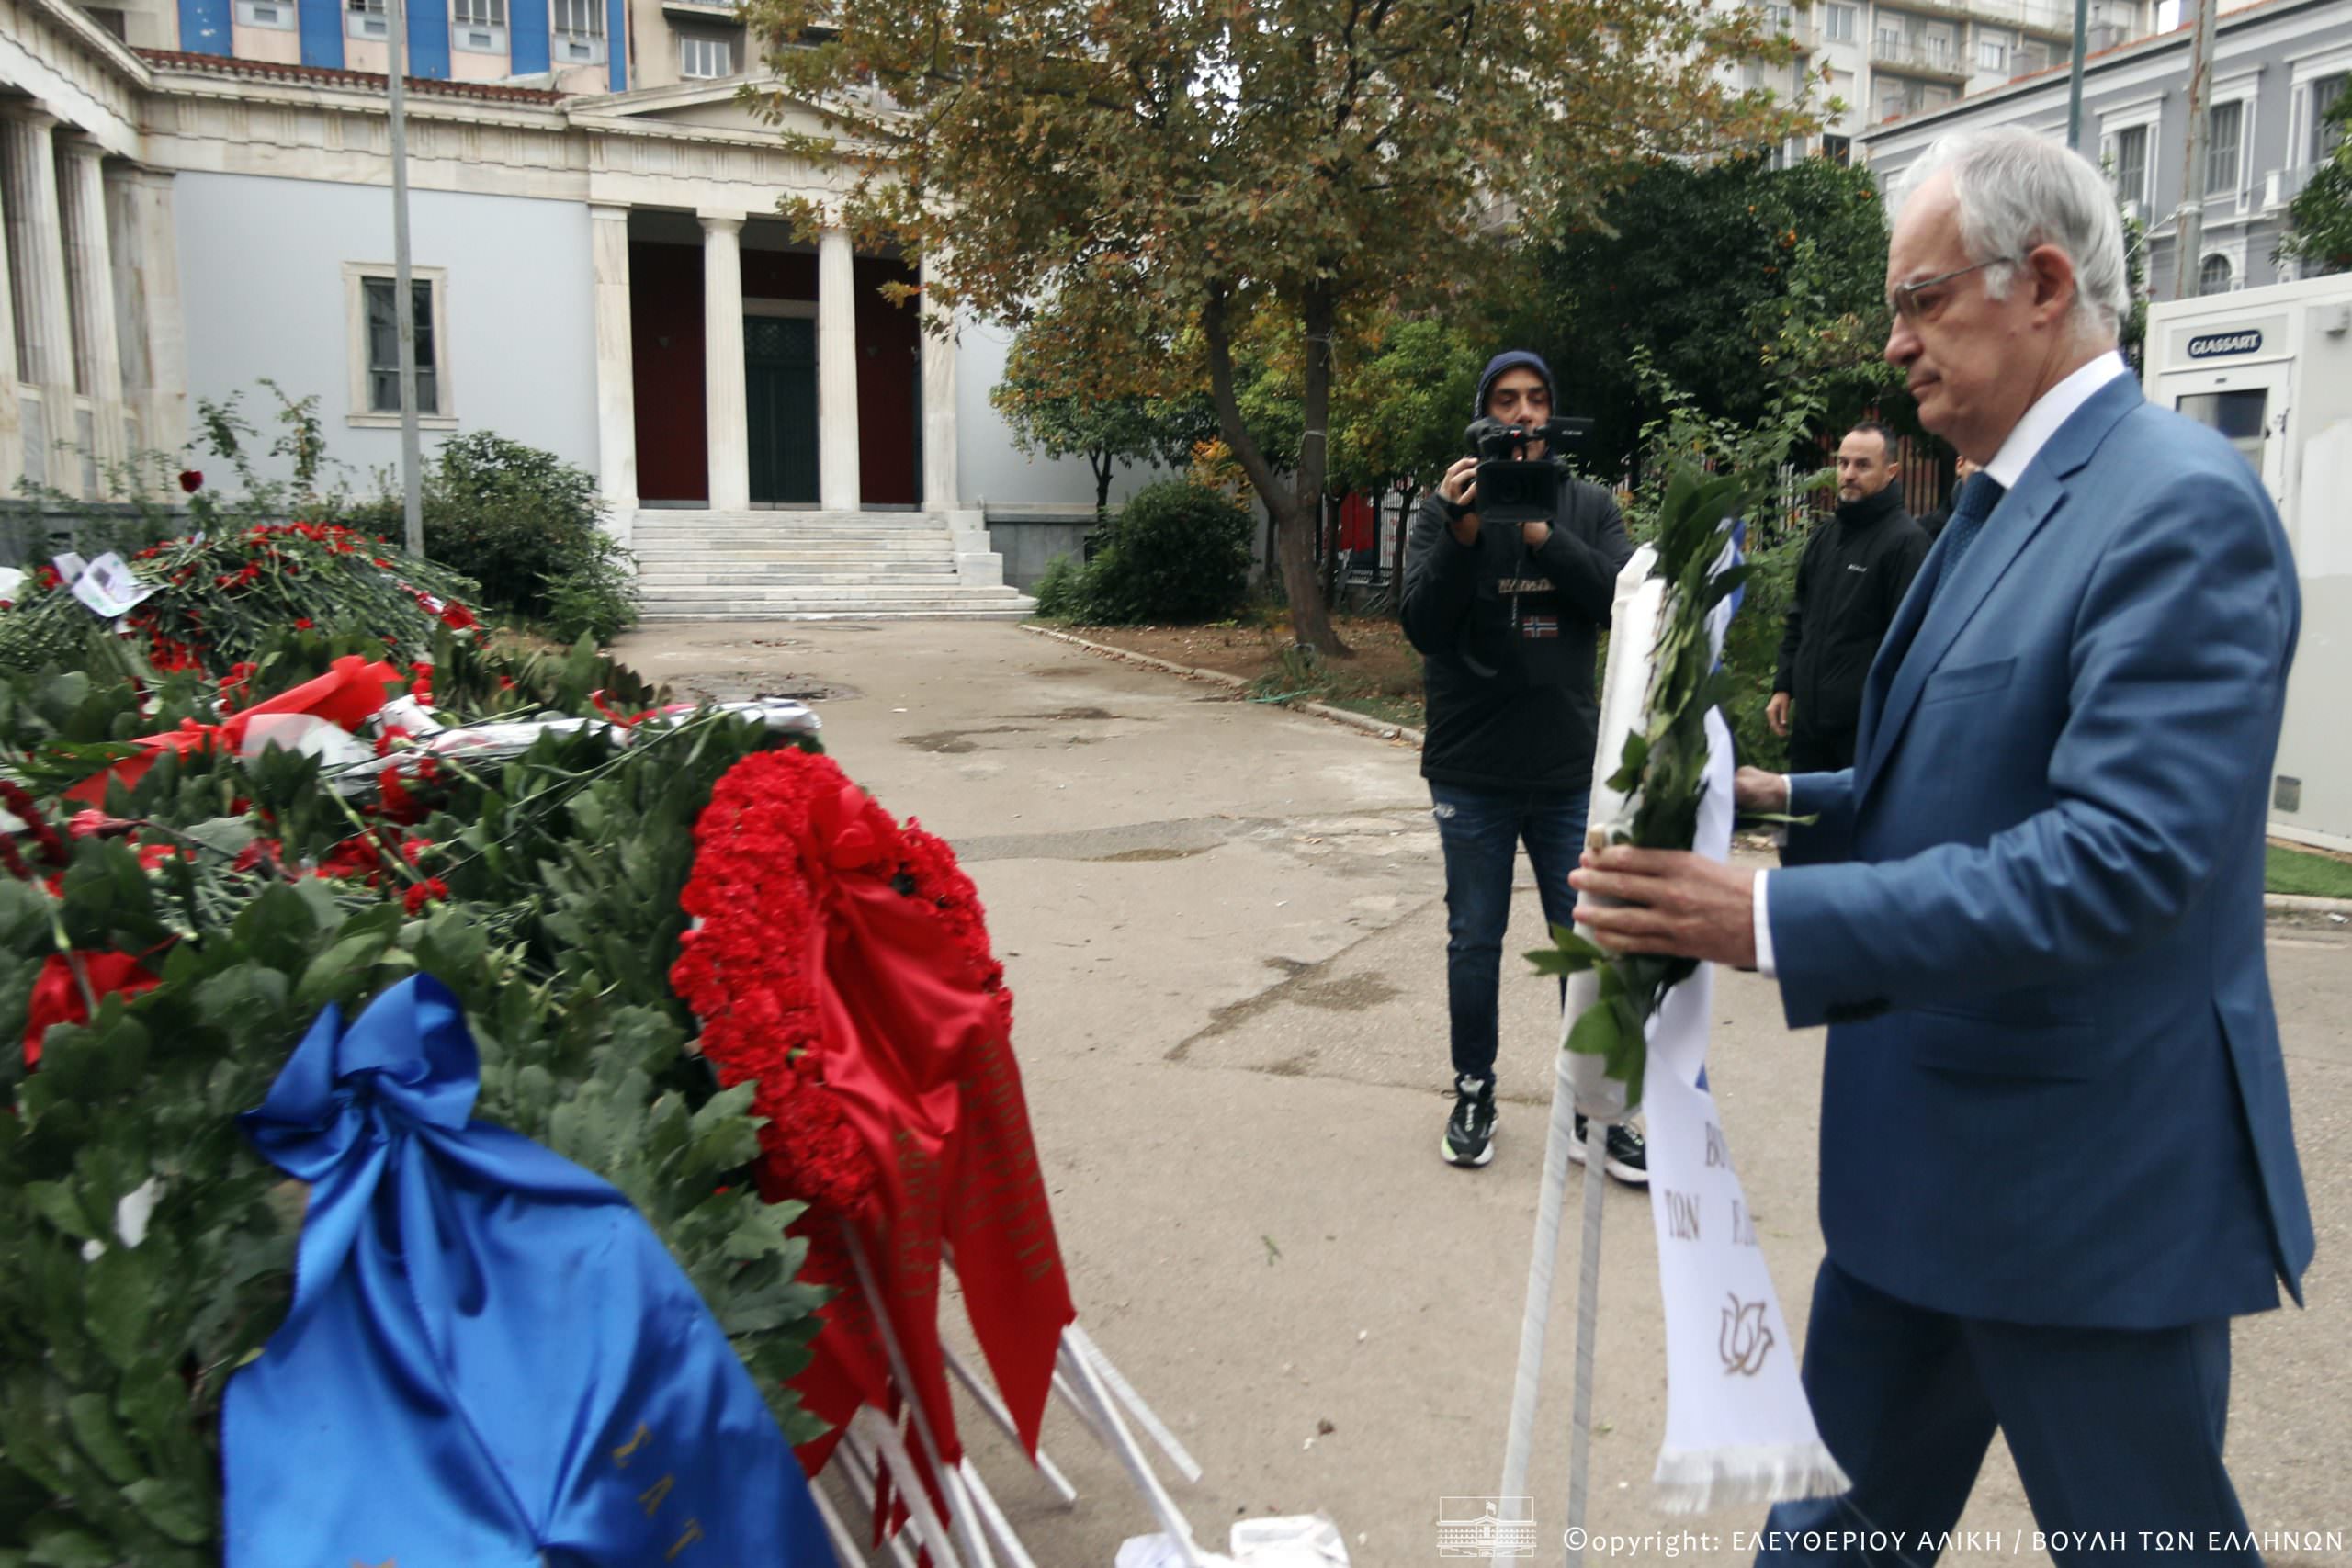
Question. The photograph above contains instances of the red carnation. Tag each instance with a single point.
(58, 997)
(190, 480)
(431, 890)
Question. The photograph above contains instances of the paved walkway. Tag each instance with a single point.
(1223, 926)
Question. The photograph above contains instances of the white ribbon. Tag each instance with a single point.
(1739, 1429)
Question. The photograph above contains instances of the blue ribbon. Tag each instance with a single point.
(490, 1358)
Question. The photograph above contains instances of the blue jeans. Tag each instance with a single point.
(1481, 831)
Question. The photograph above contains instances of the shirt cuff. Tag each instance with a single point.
(1763, 916)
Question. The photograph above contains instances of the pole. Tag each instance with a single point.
(403, 288)
(2075, 77)
(2189, 232)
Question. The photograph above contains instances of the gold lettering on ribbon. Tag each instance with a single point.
(644, 1436)
(651, 1498)
(693, 1534)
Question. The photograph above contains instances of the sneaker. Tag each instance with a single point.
(1470, 1131)
(1629, 1157)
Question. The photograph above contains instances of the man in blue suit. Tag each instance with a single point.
(2056, 1157)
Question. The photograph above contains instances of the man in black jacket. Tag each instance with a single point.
(1854, 572)
(1506, 620)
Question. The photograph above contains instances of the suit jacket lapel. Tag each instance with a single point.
(1915, 644)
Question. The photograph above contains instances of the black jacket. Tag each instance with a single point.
(1507, 638)
(1854, 572)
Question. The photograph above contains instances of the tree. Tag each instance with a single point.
(2318, 232)
(1064, 395)
(1398, 417)
(1221, 161)
(1736, 280)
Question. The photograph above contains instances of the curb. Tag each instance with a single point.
(1370, 726)
(2307, 904)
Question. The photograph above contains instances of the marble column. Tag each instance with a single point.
(725, 413)
(615, 370)
(89, 291)
(37, 252)
(148, 318)
(838, 484)
(940, 486)
(12, 430)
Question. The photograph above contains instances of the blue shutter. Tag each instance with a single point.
(204, 27)
(526, 25)
(322, 23)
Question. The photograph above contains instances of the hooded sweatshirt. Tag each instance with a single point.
(1508, 635)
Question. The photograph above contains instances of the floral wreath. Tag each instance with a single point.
(745, 970)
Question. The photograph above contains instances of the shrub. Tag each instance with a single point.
(524, 524)
(1178, 551)
(1060, 593)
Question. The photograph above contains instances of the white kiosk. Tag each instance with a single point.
(2271, 369)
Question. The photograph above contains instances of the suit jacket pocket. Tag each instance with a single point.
(1967, 680)
(1982, 1044)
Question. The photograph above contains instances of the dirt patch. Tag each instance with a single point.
(1124, 856)
(1380, 677)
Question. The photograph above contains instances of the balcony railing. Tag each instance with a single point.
(1918, 59)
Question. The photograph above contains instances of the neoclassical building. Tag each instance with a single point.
(599, 274)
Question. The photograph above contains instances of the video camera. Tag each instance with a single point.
(1512, 487)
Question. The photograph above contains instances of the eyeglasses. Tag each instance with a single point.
(1904, 297)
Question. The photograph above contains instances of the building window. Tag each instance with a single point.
(1841, 23)
(1992, 54)
(578, 29)
(1838, 150)
(1890, 42)
(1781, 18)
(705, 59)
(365, 19)
(375, 345)
(478, 26)
(2132, 164)
(2325, 137)
(2213, 278)
(278, 14)
(2222, 124)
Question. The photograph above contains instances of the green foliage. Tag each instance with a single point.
(1736, 280)
(1662, 772)
(525, 525)
(555, 918)
(1060, 593)
(1177, 552)
(220, 595)
(2319, 221)
(1778, 468)
(1398, 413)
(1077, 384)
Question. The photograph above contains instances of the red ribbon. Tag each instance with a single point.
(346, 696)
(912, 1046)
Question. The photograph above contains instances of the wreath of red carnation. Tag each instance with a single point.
(745, 968)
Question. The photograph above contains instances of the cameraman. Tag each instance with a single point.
(1507, 619)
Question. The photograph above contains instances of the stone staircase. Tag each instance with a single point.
(802, 566)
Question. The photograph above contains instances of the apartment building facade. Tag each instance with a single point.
(565, 46)
(2276, 66)
(1881, 59)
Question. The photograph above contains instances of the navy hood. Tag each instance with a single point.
(1512, 360)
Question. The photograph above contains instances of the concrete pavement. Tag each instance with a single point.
(1223, 926)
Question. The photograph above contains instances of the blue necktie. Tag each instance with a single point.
(1975, 503)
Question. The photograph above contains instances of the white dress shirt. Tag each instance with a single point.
(2025, 442)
